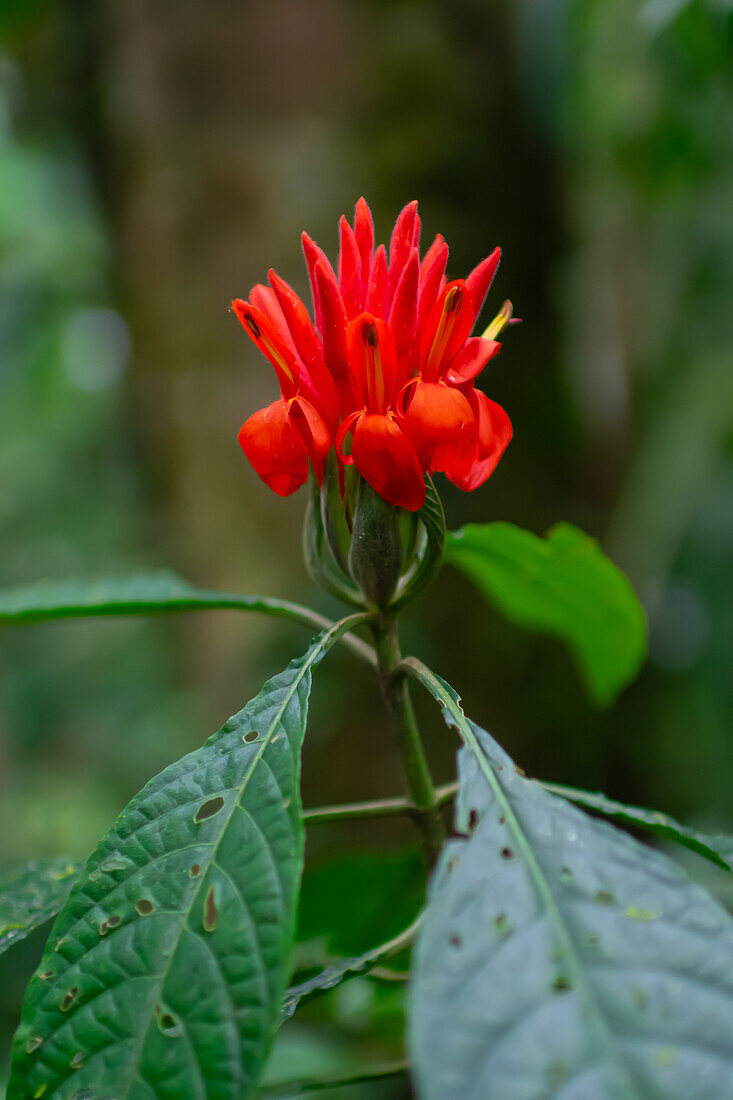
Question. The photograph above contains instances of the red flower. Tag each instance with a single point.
(388, 371)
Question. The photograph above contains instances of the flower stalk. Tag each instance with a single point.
(403, 723)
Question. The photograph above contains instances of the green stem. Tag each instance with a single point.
(403, 721)
(377, 807)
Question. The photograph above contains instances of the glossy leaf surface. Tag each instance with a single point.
(561, 958)
(165, 971)
(563, 585)
(31, 895)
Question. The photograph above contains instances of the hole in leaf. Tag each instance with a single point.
(502, 820)
(208, 808)
(169, 1024)
(561, 984)
(456, 941)
(195, 870)
(472, 820)
(33, 1044)
(211, 913)
(108, 924)
(69, 999)
(251, 736)
(506, 853)
(144, 907)
(45, 976)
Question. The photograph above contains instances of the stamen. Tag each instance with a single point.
(451, 307)
(252, 325)
(374, 374)
(501, 320)
(269, 347)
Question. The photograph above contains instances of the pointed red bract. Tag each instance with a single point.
(387, 372)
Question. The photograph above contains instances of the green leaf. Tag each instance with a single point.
(560, 957)
(146, 594)
(165, 971)
(339, 971)
(562, 585)
(31, 895)
(718, 849)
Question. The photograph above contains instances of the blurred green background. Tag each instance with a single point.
(155, 159)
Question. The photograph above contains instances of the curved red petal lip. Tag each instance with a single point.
(275, 448)
(440, 422)
(386, 459)
(471, 359)
(493, 437)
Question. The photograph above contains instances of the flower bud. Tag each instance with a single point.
(366, 551)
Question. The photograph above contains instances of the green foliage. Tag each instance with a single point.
(561, 585)
(166, 969)
(558, 954)
(609, 935)
(31, 895)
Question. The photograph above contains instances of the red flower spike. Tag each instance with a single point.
(364, 233)
(403, 313)
(389, 364)
(349, 270)
(481, 278)
(377, 299)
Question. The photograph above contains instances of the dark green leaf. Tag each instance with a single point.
(718, 849)
(339, 971)
(165, 972)
(145, 594)
(560, 957)
(562, 585)
(30, 895)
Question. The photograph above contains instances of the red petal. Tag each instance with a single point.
(333, 331)
(265, 336)
(314, 374)
(403, 240)
(432, 271)
(403, 314)
(386, 458)
(312, 255)
(314, 432)
(349, 269)
(440, 422)
(275, 448)
(377, 299)
(494, 434)
(364, 233)
(480, 279)
(373, 362)
(471, 359)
